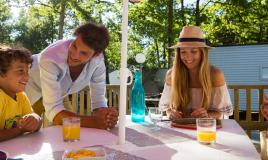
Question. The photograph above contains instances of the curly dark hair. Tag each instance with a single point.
(8, 55)
(96, 36)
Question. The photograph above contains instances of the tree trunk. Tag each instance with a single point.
(170, 34)
(260, 34)
(197, 13)
(84, 13)
(157, 53)
(107, 68)
(165, 65)
(182, 13)
(61, 20)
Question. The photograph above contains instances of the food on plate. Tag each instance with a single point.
(81, 153)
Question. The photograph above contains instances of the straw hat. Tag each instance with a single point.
(191, 36)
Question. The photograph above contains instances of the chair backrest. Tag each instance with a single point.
(113, 96)
(248, 119)
(81, 104)
(81, 101)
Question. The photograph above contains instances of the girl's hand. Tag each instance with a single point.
(174, 114)
(199, 112)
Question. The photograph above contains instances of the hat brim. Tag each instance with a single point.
(190, 44)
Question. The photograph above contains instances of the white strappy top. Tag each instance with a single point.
(220, 99)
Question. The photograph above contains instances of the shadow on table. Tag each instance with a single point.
(143, 135)
(30, 146)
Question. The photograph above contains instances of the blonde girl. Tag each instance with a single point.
(193, 87)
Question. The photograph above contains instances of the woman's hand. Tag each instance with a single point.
(264, 107)
(199, 112)
(174, 114)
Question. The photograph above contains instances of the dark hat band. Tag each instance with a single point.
(192, 40)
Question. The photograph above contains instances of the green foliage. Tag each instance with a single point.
(243, 23)
(225, 22)
(5, 23)
(148, 21)
(36, 30)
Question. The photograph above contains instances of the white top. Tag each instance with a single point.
(50, 78)
(220, 99)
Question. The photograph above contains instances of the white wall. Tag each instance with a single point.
(242, 65)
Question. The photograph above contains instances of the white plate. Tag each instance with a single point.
(100, 154)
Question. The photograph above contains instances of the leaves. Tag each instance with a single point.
(223, 21)
(5, 22)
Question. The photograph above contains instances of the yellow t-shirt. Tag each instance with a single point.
(12, 110)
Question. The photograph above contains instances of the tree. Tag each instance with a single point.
(5, 22)
(36, 30)
(236, 22)
(153, 24)
(152, 29)
(170, 31)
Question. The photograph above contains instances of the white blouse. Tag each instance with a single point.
(220, 100)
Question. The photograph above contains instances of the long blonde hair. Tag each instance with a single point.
(180, 82)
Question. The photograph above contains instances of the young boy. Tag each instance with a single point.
(16, 113)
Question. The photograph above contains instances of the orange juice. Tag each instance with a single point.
(71, 133)
(206, 136)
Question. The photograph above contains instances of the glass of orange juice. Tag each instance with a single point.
(71, 129)
(206, 130)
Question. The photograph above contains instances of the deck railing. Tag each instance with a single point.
(81, 101)
(246, 118)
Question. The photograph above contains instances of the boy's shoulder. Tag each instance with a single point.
(22, 95)
(2, 93)
(3, 97)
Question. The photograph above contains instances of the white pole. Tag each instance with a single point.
(123, 75)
